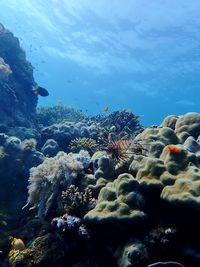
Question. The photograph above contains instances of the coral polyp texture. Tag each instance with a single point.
(119, 201)
(101, 189)
(84, 143)
(47, 179)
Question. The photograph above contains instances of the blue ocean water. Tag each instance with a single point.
(138, 55)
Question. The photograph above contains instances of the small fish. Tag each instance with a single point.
(40, 91)
(105, 109)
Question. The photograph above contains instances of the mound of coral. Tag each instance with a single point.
(96, 191)
(139, 212)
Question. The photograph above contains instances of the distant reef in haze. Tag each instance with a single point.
(17, 100)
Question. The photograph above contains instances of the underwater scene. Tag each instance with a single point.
(99, 133)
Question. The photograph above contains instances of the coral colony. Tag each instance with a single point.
(96, 191)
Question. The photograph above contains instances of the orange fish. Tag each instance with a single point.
(173, 149)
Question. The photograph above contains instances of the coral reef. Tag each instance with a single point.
(48, 180)
(69, 224)
(16, 158)
(59, 113)
(64, 133)
(87, 144)
(44, 251)
(76, 202)
(50, 148)
(17, 101)
(122, 123)
(119, 201)
(100, 186)
(188, 124)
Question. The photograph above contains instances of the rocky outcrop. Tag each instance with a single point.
(17, 100)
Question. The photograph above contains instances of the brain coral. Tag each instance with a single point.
(118, 201)
(151, 172)
(175, 173)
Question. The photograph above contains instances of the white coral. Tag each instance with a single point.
(50, 178)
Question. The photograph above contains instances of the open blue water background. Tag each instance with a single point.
(139, 55)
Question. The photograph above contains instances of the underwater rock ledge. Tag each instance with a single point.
(17, 100)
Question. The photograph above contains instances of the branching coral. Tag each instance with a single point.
(58, 114)
(84, 143)
(77, 202)
(124, 122)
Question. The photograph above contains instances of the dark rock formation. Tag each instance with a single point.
(17, 100)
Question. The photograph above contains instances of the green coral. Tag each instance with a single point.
(186, 189)
(176, 175)
(118, 201)
(84, 143)
(151, 172)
